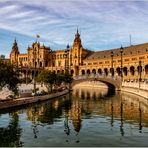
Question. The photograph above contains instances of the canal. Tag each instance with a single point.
(89, 116)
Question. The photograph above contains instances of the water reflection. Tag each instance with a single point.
(73, 118)
(10, 135)
(121, 113)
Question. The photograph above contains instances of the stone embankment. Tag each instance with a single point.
(30, 100)
(138, 88)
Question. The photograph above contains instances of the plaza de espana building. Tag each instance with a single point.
(133, 60)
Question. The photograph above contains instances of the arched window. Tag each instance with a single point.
(94, 71)
(125, 71)
(83, 72)
(88, 71)
(132, 70)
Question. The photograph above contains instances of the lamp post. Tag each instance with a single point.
(112, 71)
(139, 71)
(121, 74)
(34, 54)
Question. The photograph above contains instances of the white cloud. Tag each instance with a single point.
(108, 22)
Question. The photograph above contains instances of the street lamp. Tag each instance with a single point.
(112, 70)
(121, 74)
(139, 71)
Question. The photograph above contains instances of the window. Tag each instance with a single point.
(126, 60)
(134, 59)
(89, 63)
(95, 63)
(106, 62)
(141, 57)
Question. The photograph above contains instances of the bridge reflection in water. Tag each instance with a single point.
(87, 117)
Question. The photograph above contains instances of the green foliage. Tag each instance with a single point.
(59, 79)
(11, 134)
(68, 78)
(50, 79)
(9, 76)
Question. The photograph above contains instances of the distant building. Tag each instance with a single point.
(80, 61)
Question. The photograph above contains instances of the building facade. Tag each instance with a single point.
(131, 62)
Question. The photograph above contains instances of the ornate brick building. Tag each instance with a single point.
(79, 61)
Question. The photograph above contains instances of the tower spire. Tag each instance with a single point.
(15, 39)
(77, 30)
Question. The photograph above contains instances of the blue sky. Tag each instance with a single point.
(102, 24)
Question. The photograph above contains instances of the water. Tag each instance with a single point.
(87, 117)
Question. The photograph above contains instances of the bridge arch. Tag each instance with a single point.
(113, 84)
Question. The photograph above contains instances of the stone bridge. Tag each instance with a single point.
(112, 82)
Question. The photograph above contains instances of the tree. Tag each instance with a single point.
(68, 79)
(48, 78)
(59, 79)
(9, 77)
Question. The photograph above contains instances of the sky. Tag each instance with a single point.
(102, 24)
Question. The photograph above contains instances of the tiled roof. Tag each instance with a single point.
(130, 50)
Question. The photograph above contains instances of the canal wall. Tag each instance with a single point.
(30, 100)
(137, 88)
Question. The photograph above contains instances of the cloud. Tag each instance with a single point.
(102, 23)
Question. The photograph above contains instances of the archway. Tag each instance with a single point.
(132, 70)
(83, 72)
(94, 71)
(88, 71)
(106, 71)
(35, 64)
(112, 71)
(100, 71)
(62, 71)
(118, 71)
(58, 71)
(72, 72)
(40, 64)
(125, 71)
(146, 69)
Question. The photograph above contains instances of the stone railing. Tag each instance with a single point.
(139, 88)
(137, 85)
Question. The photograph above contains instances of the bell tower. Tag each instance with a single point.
(77, 40)
(76, 53)
(14, 53)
